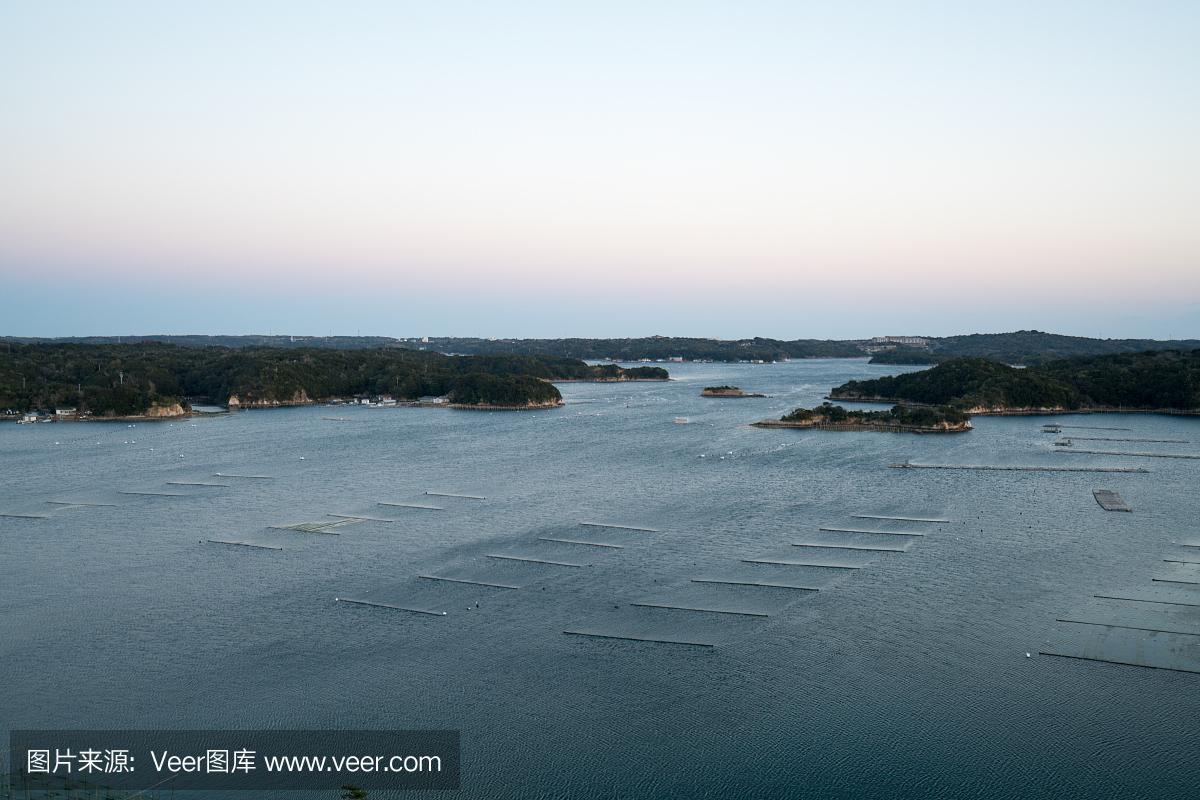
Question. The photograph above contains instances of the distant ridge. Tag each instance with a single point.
(1017, 348)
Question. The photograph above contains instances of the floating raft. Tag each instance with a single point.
(622, 527)
(65, 503)
(706, 610)
(385, 605)
(259, 477)
(356, 516)
(852, 547)
(1085, 427)
(473, 583)
(244, 544)
(758, 583)
(413, 505)
(902, 519)
(155, 494)
(1103, 439)
(1122, 614)
(1125, 646)
(573, 541)
(444, 494)
(1110, 501)
(181, 483)
(536, 561)
(638, 638)
(881, 533)
(907, 465)
(1152, 600)
(320, 526)
(1114, 453)
(796, 563)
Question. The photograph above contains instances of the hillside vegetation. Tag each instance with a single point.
(1167, 379)
(1020, 347)
(897, 415)
(126, 379)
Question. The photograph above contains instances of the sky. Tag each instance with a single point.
(791, 169)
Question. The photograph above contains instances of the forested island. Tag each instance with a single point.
(1165, 380)
(899, 419)
(726, 391)
(153, 378)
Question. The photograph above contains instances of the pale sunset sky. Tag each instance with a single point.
(792, 170)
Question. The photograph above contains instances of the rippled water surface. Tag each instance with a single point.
(904, 676)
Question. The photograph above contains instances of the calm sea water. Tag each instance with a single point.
(905, 678)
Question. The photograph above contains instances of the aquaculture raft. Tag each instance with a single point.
(1110, 500)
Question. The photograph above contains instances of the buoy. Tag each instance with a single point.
(301, 458)
(1027, 655)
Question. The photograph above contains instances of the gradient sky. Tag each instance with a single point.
(827, 170)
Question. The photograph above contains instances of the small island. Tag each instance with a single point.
(726, 391)
(828, 417)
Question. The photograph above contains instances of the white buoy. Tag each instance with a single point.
(1027, 655)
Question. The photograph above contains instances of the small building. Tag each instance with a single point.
(64, 412)
(431, 399)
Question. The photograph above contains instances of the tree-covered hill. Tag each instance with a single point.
(1167, 379)
(659, 348)
(1021, 347)
(127, 379)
